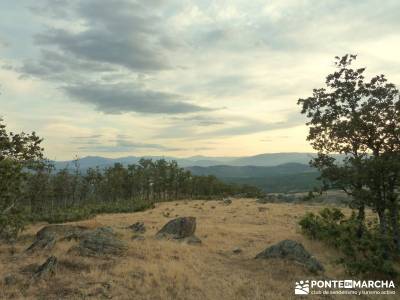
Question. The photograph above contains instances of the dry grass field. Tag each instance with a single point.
(158, 269)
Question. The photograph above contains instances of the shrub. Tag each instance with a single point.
(365, 255)
(72, 214)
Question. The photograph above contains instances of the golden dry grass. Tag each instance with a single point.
(155, 269)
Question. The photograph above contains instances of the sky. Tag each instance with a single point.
(180, 78)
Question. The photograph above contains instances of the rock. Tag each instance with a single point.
(263, 200)
(192, 240)
(47, 237)
(227, 201)
(62, 231)
(292, 250)
(237, 250)
(178, 228)
(138, 227)
(46, 242)
(101, 242)
(10, 279)
(48, 268)
(138, 237)
(29, 269)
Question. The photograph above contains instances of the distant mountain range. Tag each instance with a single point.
(261, 160)
(272, 172)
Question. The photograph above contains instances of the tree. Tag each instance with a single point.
(360, 120)
(19, 153)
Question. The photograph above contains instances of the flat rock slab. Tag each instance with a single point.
(101, 242)
(178, 228)
(292, 250)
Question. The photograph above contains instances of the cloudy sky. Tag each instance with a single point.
(180, 78)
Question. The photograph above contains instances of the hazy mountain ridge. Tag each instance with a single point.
(225, 171)
(260, 160)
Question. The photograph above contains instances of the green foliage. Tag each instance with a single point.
(71, 214)
(12, 223)
(359, 119)
(365, 255)
(18, 152)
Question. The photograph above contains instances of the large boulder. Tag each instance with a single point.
(178, 228)
(49, 235)
(292, 250)
(101, 242)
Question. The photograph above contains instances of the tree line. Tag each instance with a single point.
(32, 189)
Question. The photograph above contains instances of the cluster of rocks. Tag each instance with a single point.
(92, 242)
(104, 242)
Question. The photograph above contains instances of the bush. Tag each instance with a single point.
(12, 223)
(365, 255)
(88, 211)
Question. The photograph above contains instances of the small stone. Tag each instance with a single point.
(237, 250)
(193, 240)
(227, 201)
(10, 279)
(138, 238)
(138, 227)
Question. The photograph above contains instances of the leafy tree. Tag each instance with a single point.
(18, 154)
(359, 119)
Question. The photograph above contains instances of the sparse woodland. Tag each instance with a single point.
(31, 190)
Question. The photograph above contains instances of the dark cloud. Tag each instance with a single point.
(122, 98)
(121, 32)
(107, 47)
(55, 66)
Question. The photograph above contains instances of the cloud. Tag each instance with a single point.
(52, 65)
(235, 126)
(121, 32)
(200, 120)
(124, 145)
(122, 98)
(94, 136)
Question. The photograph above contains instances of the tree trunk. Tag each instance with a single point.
(360, 219)
(394, 220)
(382, 222)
